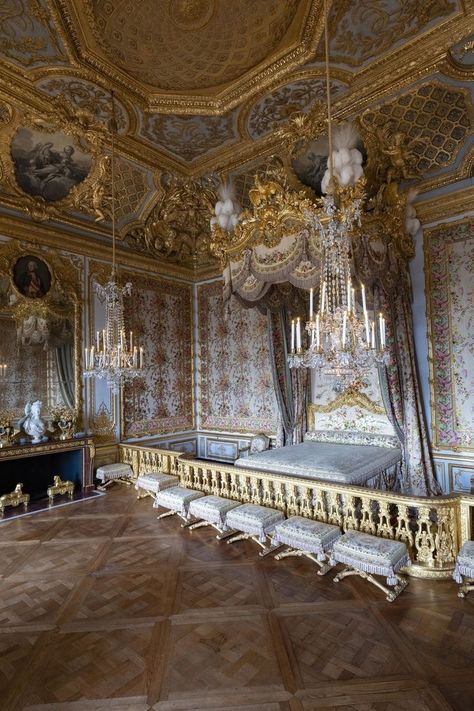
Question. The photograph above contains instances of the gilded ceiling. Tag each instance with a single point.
(183, 45)
(200, 86)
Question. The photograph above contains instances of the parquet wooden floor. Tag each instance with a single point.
(104, 607)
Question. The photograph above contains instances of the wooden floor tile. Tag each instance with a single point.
(87, 526)
(341, 643)
(33, 600)
(226, 586)
(140, 554)
(15, 651)
(442, 635)
(93, 665)
(235, 654)
(296, 581)
(61, 556)
(124, 596)
(26, 529)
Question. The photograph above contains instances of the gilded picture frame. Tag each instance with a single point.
(53, 162)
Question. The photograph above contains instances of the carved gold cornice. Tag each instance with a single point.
(86, 245)
(445, 206)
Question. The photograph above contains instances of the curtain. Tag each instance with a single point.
(402, 398)
(290, 384)
(64, 364)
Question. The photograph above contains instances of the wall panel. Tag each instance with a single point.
(159, 312)
(236, 387)
(449, 268)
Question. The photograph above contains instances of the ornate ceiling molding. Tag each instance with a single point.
(297, 45)
(445, 206)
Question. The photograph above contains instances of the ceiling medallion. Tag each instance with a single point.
(191, 14)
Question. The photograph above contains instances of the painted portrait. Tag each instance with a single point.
(32, 277)
(48, 165)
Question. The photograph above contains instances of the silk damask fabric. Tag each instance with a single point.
(450, 261)
(290, 385)
(418, 477)
(236, 388)
(159, 312)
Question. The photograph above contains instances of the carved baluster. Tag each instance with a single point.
(445, 538)
(225, 483)
(255, 492)
(267, 492)
(349, 505)
(307, 497)
(234, 486)
(197, 478)
(424, 538)
(403, 531)
(279, 495)
(319, 504)
(215, 483)
(186, 475)
(292, 500)
(384, 527)
(206, 481)
(366, 521)
(334, 505)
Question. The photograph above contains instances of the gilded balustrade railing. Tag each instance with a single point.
(432, 528)
(148, 459)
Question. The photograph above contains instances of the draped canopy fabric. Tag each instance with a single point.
(268, 275)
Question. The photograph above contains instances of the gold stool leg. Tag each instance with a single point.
(390, 594)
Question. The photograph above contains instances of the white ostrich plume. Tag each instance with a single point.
(412, 223)
(346, 158)
(227, 209)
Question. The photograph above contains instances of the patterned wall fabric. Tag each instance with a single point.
(236, 388)
(449, 263)
(159, 311)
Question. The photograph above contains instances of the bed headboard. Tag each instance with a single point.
(351, 417)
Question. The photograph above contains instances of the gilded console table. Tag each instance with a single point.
(35, 465)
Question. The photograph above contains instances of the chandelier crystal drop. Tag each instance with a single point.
(114, 356)
(344, 342)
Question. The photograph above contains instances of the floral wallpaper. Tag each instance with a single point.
(449, 260)
(159, 312)
(236, 387)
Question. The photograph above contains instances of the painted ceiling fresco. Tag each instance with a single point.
(200, 85)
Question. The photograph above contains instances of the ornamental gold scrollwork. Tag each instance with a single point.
(301, 129)
(177, 228)
(276, 211)
(51, 160)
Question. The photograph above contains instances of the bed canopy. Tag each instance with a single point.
(272, 257)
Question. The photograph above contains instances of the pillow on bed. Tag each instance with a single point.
(352, 437)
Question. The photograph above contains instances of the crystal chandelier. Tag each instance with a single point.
(343, 342)
(114, 356)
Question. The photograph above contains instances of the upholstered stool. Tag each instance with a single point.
(118, 473)
(464, 569)
(367, 555)
(254, 522)
(312, 539)
(177, 500)
(212, 511)
(150, 484)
